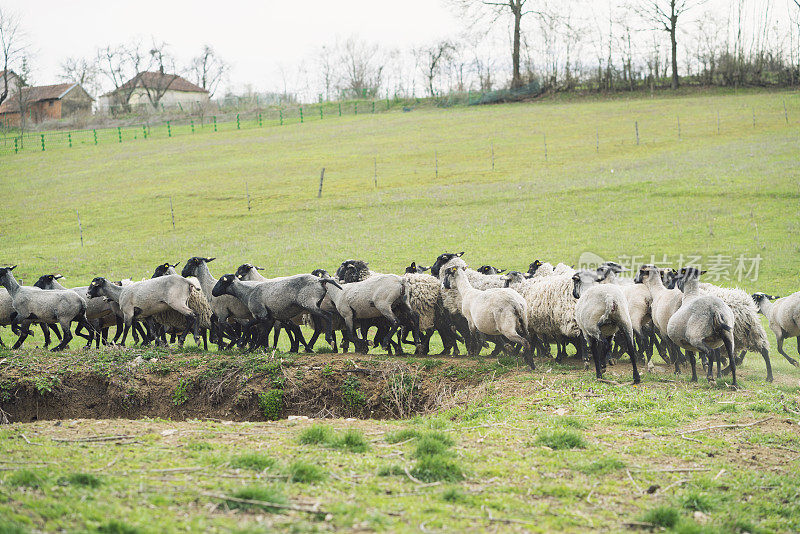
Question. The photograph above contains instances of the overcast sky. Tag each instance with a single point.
(256, 37)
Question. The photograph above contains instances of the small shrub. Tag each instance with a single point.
(10, 528)
(117, 527)
(437, 468)
(258, 493)
(327, 370)
(199, 446)
(728, 408)
(428, 445)
(316, 435)
(253, 461)
(429, 363)
(662, 516)
(454, 495)
(351, 393)
(271, 403)
(84, 479)
(306, 472)
(26, 478)
(180, 396)
(602, 466)
(352, 440)
(561, 439)
(401, 435)
(442, 437)
(570, 422)
(697, 502)
(391, 470)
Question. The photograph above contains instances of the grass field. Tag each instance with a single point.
(546, 450)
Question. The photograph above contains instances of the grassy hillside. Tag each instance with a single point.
(729, 193)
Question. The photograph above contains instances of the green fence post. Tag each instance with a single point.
(42, 142)
(191, 122)
(281, 114)
(16, 148)
(387, 102)
(119, 133)
(69, 136)
(169, 130)
(301, 115)
(144, 131)
(355, 108)
(259, 119)
(340, 109)
(373, 106)
(320, 113)
(95, 136)
(237, 122)
(215, 122)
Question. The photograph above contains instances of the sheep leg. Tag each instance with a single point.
(595, 349)
(782, 353)
(24, 332)
(693, 363)
(67, 336)
(327, 325)
(630, 348)
(3, 345)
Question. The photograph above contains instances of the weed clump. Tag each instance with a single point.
(265, 496)
(117, 527)
(306, 472)
(351, 393)
(662, 516)
(84, 479)
(316, 435)
(352, 440)
(437, 467)
(601, 466)
(253, 461)
(561, 440)
(271, 403)
(401, 435)
(26, 478)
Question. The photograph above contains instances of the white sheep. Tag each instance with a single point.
(601, 312)
(784, 318)
(495, 311)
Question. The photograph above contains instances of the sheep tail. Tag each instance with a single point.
(329, 280)
(719, 322)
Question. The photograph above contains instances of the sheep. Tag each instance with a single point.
(494, 311)
(537, 268)
(602, 311)
(551, 310)
(562, 268)
(783, 316)
(281, 299)
(488, 269)
(748, 332)
(6, 315)
(98, 312)
(231, 313)
(149, 297)
(663, 305)
(375, 296)
(425, 299)
(639, 302)
(32, 304)
(173, 321)
(414, 268)
(702, 323)
(451, 300)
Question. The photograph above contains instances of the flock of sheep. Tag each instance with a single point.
(518, 312)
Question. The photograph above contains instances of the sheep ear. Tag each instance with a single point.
(12, 267)
(413, 265)
(773, 297)
(209, 260)
(460, 254)
(258, 268)
(500, 271)
(58, 276)
(175, 264)
(527, 275)
(703, 272)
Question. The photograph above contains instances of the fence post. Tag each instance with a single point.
(717, 122)
(191, 123)
(259, 118)
(172, 211)
(340, 109)
(169, 130)
(597, 140)
(321, 177)
(42, 142)
(80, 227)
(69, 136)
(95, 136)
(355, 107)
(144, 131)
(373, 106)
(492, 155)
(376, 172)
(320, 113)
(544, 139)
(119, 133)
(215, 123)
(280, 111)
(301, 115)
(387, 102)
(436, 162)
(785, 113)
(238, 126)
(637, 132)
(679, 127)
(16, 148)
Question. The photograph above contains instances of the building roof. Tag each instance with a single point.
(38, 94)
(160, 79)
(10, 73)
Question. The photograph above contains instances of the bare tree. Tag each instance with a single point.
(327, 70)
(431, 59)
(81, 71)
(208, 69)
(479, 10)
(155, 81)
(362, 68)
(12, 45)
(663, 15)
(23, 97)
(120, 65)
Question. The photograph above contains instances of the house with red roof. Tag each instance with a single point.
(156, 90)
(45, 102)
